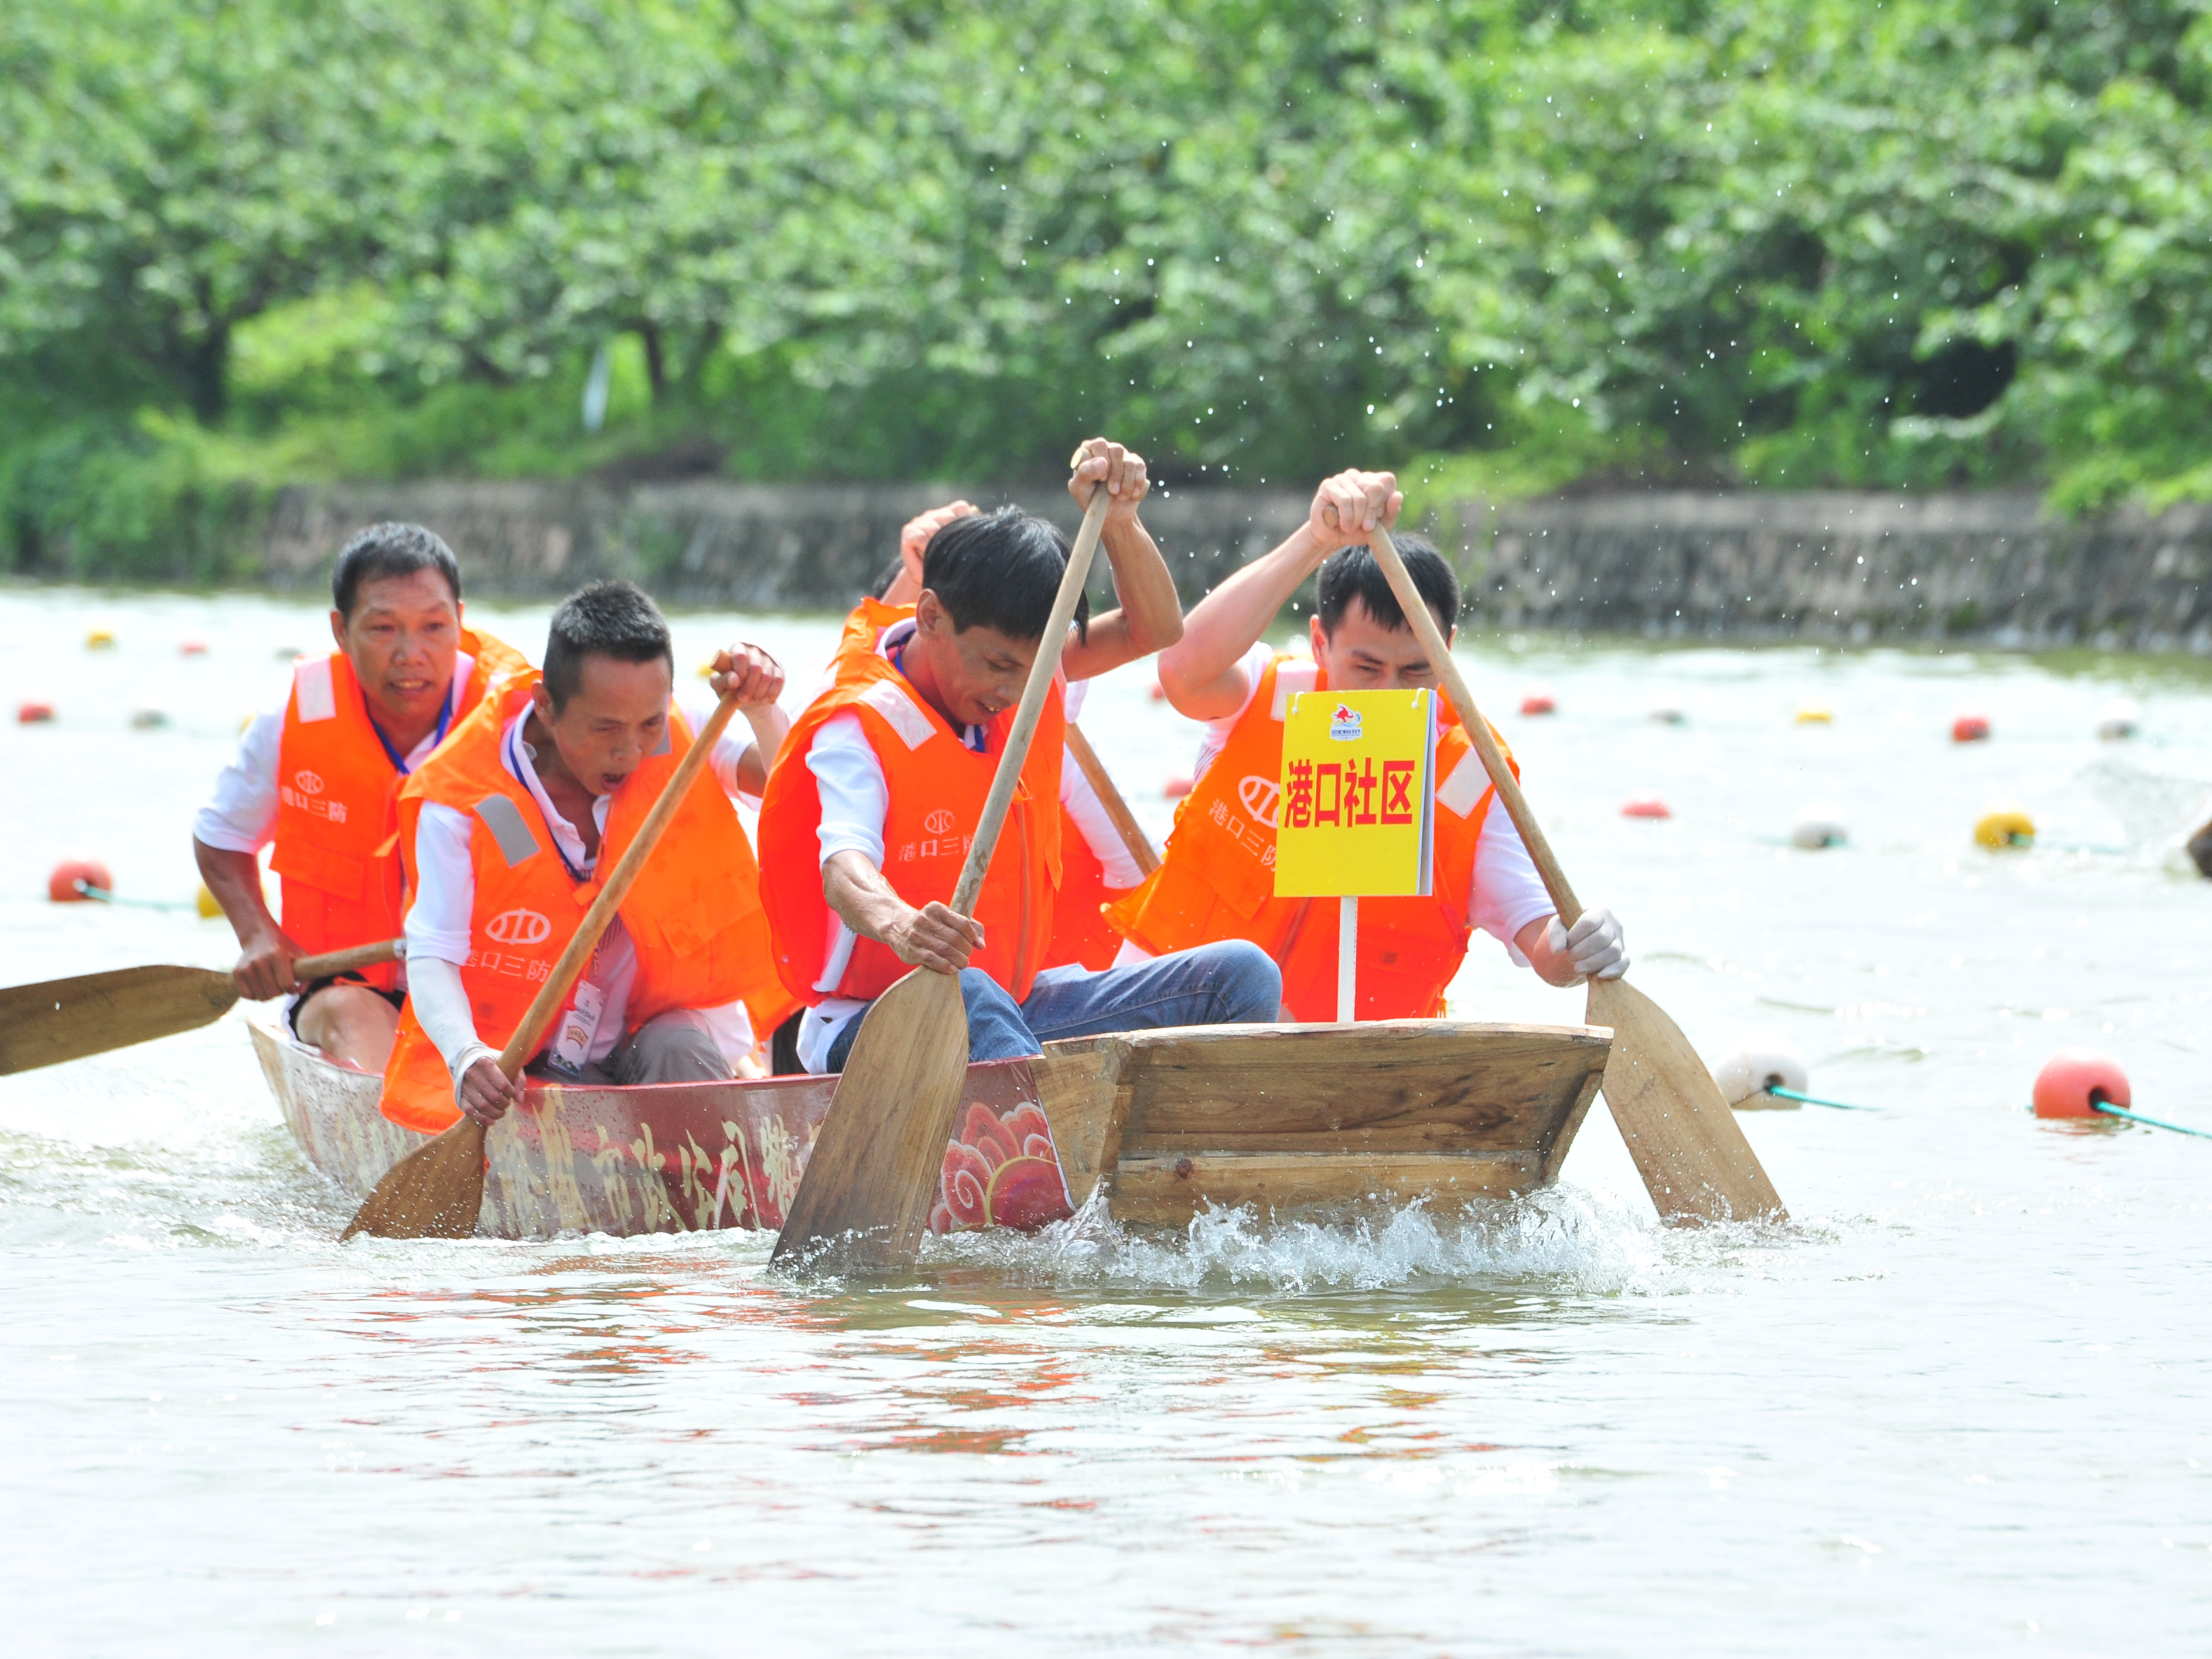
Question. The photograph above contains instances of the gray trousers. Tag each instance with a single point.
(672, 1048)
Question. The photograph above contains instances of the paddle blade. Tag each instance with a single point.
(1687, 1143)
(68, 1019)
(873, 1174)
(435, 1192)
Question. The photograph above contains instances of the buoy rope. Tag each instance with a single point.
(1815, 1100)
(106, 897)
(2153, 1122)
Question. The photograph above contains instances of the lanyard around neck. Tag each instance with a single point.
(444, 719)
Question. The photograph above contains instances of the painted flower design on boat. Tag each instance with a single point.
(1001, 1172)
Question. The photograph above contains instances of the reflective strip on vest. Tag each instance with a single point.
(504, 819)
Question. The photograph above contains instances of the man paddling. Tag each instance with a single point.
(874, 802)
(320, 776)
(1216, 879)
(1095, 865)
(506, 830)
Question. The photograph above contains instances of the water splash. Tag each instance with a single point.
(1564, 1237)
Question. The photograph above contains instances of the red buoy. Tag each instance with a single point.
(1646, 806)
(62, 885)
(1970, 728)
(1178, 787)
(193, 648)
(1159, 693)
(2077, 1081)
(34, 714)
(1539, 702)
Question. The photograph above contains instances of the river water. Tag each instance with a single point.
(1963, 1402)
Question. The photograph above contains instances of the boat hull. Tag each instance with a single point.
(1283, 1118)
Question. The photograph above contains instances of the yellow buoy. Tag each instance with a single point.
(204, 902)
(99, 640)
(707, 669)
(2007, 827)
(1814, 714)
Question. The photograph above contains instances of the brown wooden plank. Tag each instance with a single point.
(1166, 1189)
(1411, 1086)
(1082, 1100)
(1552, 1153)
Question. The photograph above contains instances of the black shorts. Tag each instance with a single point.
(396, 999)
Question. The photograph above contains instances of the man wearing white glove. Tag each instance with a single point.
(1217, 877)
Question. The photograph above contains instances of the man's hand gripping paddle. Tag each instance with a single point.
(436, 1190)
(1687, 1147)
(872, 1174)
(61, 1020)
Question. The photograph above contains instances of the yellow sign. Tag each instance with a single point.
(1358, 813)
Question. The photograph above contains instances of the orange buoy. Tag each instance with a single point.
(1970, 728)
(1179, 786)
(2075, 1082)
(1540, 700)
(63, 887)
(193, 648)
(1158, 692)
(1646, 806)
(34, 714)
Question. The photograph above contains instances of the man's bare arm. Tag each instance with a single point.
(935, 936)
(1200, 672)
(266, 952)
(1150, 616)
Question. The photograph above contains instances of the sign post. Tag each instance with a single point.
(1357, 816)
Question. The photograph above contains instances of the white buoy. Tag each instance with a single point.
(2118, 718)
(1818, 827)
(1745, 1075)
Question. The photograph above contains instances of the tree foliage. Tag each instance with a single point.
(1501, 242)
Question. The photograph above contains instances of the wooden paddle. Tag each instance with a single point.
(874, 1170)
(63, 1019)
(1101, 785)
(1687, 1147)
(437, 1190)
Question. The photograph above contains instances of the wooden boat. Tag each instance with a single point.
(1283, 1118)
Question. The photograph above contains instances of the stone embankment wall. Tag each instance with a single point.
(1991, 567)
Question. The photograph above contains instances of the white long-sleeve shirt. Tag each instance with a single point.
(855, 798)
(439, 923)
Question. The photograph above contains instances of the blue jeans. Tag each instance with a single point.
(1223, 984)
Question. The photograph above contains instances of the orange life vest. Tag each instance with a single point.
(693, 916)
(1217, 877)
(1081, 935)
(936, 784)
(338, 805)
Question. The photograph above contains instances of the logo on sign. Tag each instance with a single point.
(307, 783)
(1261, 797)
(1343, 724)
(517, 927)
(937, 822)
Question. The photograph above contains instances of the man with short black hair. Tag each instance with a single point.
(1216, 879)
(1096, 865)
(872, 810)
(320, 776)
(507, 832)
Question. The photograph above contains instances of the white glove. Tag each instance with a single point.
(1593, 944)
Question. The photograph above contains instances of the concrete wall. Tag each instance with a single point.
(758, 546)
(1987, 566)
(1984, 565)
